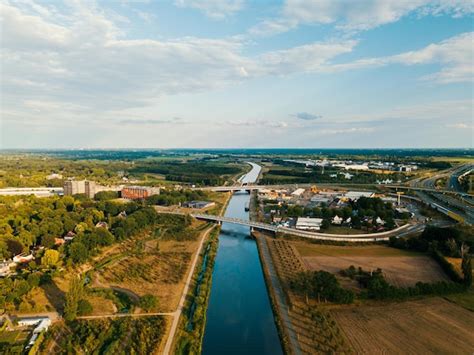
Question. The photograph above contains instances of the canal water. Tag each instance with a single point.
(239, 317)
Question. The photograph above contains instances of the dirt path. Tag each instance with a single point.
(280, 299)
(177, 313)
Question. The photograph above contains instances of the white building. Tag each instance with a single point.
(298, 192)
(337, 220)
(355, 195)
(307, 223)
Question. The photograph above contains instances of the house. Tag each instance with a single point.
(41, 324)
(307, 223)
(6, 268)
(122, 215)
(69, 236)
(337, 220)
(102, 225)
(347, 176)
(59, 241)
(348, 220)
(23, 259)
(380, 221)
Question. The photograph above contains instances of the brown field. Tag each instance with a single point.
(401, 271)
(401, 268)
(430, 326)
(160, 273)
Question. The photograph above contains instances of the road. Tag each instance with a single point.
(452, 200)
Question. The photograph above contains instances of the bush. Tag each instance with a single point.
(148, 302)
(84, 307)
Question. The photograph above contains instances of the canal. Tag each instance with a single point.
(239, 316)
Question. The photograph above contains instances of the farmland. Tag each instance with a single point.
(412, 327)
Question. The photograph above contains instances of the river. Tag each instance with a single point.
(239, 316)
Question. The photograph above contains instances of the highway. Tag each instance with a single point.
(450, 201)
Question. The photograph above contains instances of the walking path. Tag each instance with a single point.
(177, 313)
(279, 299)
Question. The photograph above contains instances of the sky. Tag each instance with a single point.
(236, 74)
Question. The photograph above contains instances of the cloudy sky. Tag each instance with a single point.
(236, 73)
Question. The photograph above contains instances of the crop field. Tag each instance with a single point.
(400, 271)
(317, 332)
(430, 326)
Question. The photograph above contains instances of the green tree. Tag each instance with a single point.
(84, 307)
(148, 302)
(466, 267)
(50, 257)
(73, 296)
(78, 252)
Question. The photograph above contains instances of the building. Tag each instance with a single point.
(40, 324)
(297, 192)
(90, 188)
(199, 204)
(355, 195)
(139, 192)
(318, 200)
(307, 223)
(337, 220)
(73, 187)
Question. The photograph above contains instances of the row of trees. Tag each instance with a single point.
(320, 285)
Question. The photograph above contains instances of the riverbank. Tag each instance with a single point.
(277, 296)
(190, 329)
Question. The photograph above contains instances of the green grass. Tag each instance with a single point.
(343, 230)
(465, 299)
(308, 249)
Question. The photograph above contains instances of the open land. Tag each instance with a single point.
(429, 326)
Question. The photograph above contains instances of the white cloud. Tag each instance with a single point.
(216, 9)
(350, 15)
(455, 55)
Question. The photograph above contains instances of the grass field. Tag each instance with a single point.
(430, 326)
(343, 230)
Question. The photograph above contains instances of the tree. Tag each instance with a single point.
(50, 257)
(73, 296)
(148, 302)
(78, 252)
(84, 307)
(466, 267)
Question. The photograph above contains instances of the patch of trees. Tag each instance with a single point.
(122, 335)
(376, 287)
(320, 285)
(440, 242)
(172, 197)
(195, 172)
(106, 195)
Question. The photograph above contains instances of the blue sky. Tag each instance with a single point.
(236, 73)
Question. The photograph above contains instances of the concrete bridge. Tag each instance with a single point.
(234, 188)
(368, 237)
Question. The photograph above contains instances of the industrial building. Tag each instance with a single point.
(307, 223)
(139, 192)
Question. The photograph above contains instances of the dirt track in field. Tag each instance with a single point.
(430, 326)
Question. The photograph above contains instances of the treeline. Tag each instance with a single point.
(198, 173)
(174, 197)
(440, 242)
(376, 287)
(320, 285)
